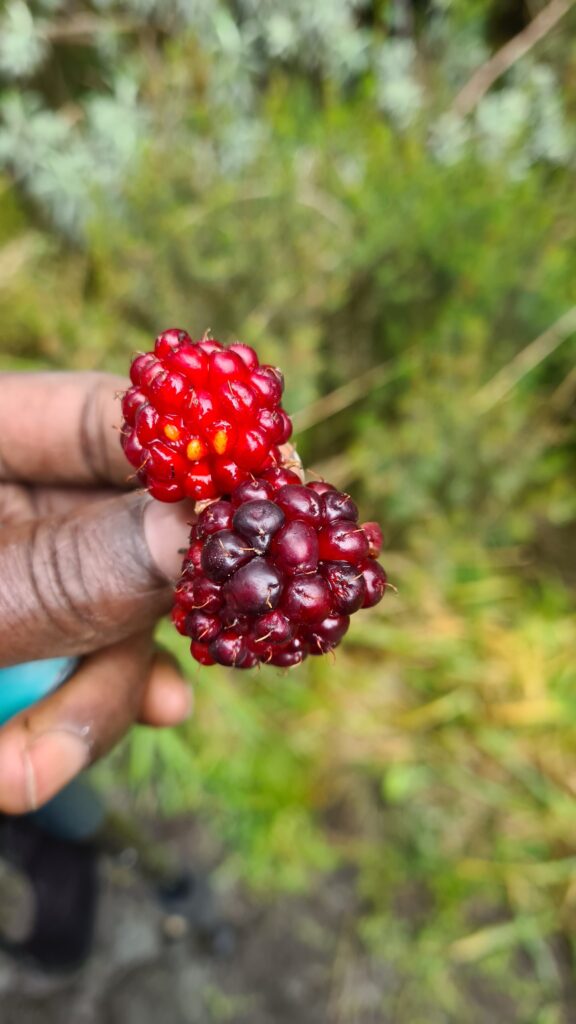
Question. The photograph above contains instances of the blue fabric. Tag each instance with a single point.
(22, 685)
(76, 812)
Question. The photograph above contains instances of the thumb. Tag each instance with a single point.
(70, 584)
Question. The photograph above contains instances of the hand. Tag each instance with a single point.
(84, 569)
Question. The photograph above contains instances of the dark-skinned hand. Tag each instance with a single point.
(87, 567)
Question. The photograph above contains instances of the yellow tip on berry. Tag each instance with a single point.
(196, 449)
(172, 432)
(220, 441)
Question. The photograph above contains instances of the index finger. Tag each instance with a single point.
(61, 428)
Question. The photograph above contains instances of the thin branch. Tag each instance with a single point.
(484, 77)
(526, 360)
(339, 399)
(85, 26)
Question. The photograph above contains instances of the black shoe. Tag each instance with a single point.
(63, 880)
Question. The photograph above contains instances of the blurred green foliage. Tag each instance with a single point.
(294, 174)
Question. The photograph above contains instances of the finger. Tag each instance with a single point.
(72, 584)
(167, 698)
(46, 746)
(22, 502)
(61, 428)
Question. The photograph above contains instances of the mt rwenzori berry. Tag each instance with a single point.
(200, 418)
(274, 572)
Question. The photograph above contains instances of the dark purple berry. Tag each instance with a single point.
(216, 516)
(375, 580)
(229, 648)
(287, 657)
(205, 595)
(306, 599)
(271, 629)
(231, 618)
(347, 586)
(327, 634)
(295, 549)
(223, 553)
(202, 626)
(337, 506)
(300, 502)
(251, 490)
(258, 521)
(255, 588)
(282, 582)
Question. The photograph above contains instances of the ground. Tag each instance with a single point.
(294, 960)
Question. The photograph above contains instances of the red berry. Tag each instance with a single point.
(271, 425)
(251, 449)
(147, 424)
(201, 652)
(210, 345)
(149, 373)
(139, 364)
(375, 580)
(170, 341)
(268, 382)
(132, 401)
(163, 463)
(199, 399)
(199, 483)
(226, 366)
(168, 392)
(221, 436)
(247, 354)
(287, 427)
(227, 474)
(192, 363)
(278, 477)
(238, 400)
(375, 538)
(179, 616)
(135, 453)
(343, 542)
(320, 486)
(166, 491)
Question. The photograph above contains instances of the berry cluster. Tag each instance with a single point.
(201, 418)
(274, 572)
(275, 567)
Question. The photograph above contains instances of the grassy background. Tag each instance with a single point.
(296, 176)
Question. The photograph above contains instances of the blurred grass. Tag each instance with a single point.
(410, 301)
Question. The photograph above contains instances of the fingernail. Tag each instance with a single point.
(50, 762)
(167, 532)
